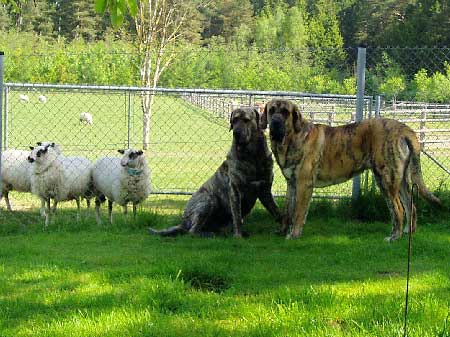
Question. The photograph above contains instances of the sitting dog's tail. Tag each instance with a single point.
(416, 171)
(171, 231)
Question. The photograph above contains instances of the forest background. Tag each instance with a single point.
(303, 45)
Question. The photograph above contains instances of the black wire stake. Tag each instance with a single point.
(411, 218)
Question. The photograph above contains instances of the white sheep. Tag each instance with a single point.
(86, 118)
(121, 180)
(24, 98)
(57, 177)
(42, 99)
(16, 172)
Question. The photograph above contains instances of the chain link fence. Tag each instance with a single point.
(189, 128)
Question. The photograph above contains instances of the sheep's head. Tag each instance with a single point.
(37, 152)
(55, 146)
(132, 158)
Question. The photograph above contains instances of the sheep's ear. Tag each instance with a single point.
(139, 153)
(32, 147)
(39, 143)
(52, 144)
(121, 151)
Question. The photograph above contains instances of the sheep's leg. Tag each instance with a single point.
(8, 204)
(42, 209)
(97, 210)
(125, 209)
(55, 204)
(134, 211)
(110, 203)
(47, 212)
(77, 200)
(88, 204)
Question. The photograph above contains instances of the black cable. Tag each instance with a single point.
(411, 218)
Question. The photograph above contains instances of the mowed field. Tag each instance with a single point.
(339, 279)
(81, 279)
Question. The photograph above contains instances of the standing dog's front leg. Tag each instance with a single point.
(304, 184)
(289, 207)
(235, 205)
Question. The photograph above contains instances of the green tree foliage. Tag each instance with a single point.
(325, 36)
(77, 19)
(117, 9)
(282, 27)
(435, 87)
(225, 18)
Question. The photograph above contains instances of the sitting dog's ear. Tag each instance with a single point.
(297, 118)
(263, 121)
(231, 120)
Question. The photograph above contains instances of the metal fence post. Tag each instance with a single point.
(377, 106)
(5, 118)
(360, 81)
(2, 54)
(129, 119)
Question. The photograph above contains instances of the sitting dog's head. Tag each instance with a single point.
(244, 122)
(283, 116)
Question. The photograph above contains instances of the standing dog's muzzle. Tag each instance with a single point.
(277, 128)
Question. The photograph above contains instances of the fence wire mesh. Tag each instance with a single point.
(189, 128)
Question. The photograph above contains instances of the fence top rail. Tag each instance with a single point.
(176, 90)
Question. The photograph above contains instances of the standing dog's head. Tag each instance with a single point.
(244, 122)
(283, 117)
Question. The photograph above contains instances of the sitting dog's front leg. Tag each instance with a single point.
(236, 213)
(266, 198)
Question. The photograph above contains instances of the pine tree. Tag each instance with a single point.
(85, 20)
(5, 19)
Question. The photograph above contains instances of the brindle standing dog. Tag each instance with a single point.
(230, 194)
(314, 155)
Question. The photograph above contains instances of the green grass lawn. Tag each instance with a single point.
(80, 279)
(339, 279)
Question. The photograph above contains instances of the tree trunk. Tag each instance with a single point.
(147, 103)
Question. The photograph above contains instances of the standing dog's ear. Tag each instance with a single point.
(297, 118)
(263, 122)
(256, 110)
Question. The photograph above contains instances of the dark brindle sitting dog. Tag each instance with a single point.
(313, 155)
(230, 194)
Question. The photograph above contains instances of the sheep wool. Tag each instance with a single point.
(57, 177)
(121, 180)
(15, 173)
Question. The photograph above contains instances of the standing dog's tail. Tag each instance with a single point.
(416, 170)
(171, 231)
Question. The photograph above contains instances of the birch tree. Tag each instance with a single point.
(159, 25)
